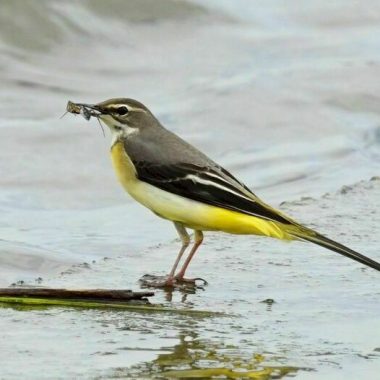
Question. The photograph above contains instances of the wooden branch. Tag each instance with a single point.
(81, 294)
(126, 300)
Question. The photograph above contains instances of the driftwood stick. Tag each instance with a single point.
(95, 298)
(84, 294)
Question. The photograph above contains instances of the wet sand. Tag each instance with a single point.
(284, 96)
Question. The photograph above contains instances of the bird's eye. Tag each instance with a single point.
(123, 110)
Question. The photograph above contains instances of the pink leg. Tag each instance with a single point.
(185, 238)
(170, 280)
(198, 239)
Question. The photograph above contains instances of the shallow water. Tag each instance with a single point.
(285, 96)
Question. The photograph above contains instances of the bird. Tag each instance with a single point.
(179, 183)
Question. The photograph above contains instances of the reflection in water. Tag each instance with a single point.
(185, 292)
(194, 358)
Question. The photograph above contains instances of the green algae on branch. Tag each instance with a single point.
(38, 302)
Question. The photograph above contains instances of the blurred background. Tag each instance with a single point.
(283, 93)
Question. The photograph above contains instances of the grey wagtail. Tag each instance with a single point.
(181, 184)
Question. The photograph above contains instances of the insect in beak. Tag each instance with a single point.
(86, 110)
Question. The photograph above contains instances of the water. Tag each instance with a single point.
(283, 95)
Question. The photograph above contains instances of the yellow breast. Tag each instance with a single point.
(124, 168)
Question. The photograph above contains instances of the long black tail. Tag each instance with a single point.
(316, 238)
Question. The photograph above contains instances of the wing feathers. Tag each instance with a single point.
(213, 186)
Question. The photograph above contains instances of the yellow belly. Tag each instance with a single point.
(192, 214)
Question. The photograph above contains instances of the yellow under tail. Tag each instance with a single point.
(215, 218)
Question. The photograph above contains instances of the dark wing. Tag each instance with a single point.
(213, 186)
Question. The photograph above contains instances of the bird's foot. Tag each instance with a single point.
(189, 281)
(152, 281)
(177, 282)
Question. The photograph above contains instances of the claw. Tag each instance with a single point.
(151, 281)
(193, 281)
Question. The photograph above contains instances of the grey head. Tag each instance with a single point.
(124, 114)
